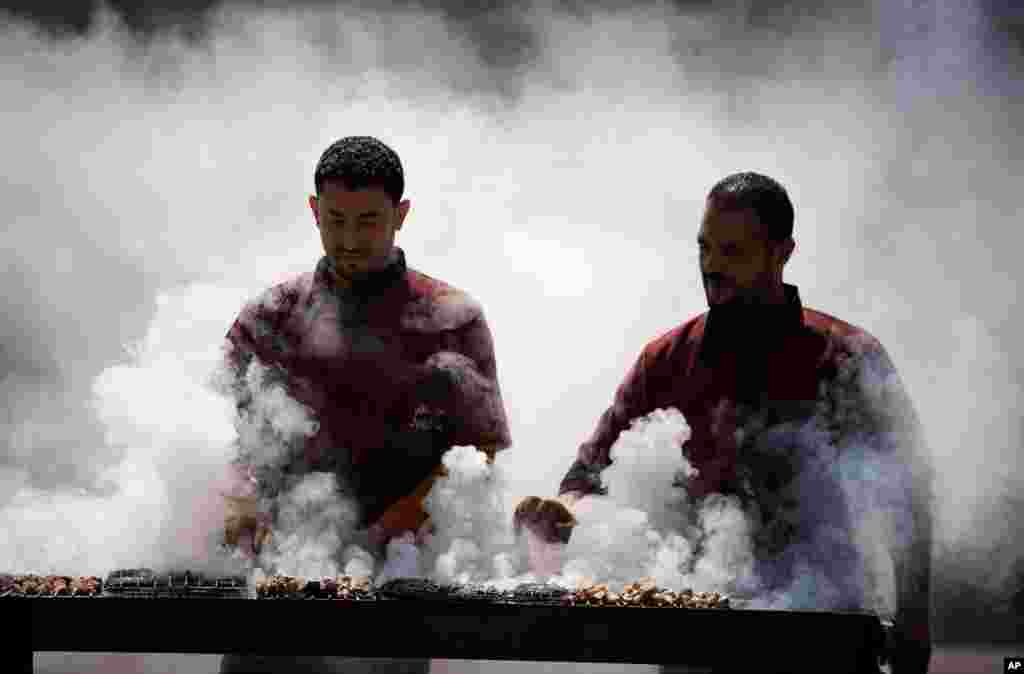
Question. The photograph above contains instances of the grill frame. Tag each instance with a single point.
(725, 640)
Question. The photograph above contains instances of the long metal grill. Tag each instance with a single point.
(136, 611)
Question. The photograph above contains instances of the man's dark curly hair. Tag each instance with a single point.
(361, 162)
(766, 197)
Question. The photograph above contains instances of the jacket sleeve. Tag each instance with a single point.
(462, 378)
(892, 415)
(476, 408)
(245, 342)
(237, 357)
(593, 456)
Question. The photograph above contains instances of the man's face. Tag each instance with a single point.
(736, 260)
(357, 228)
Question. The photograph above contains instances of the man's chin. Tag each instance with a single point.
(351, 270)
(719, 298)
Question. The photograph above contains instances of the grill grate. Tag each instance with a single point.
(144, 583)
(528, 594)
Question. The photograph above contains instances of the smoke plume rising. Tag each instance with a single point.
(556, 173)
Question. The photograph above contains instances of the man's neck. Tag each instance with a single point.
(775, 295)
(752, 300)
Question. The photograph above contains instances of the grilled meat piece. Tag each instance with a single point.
(58, 585)
(85, 585)
(274, 586)
(354, 587)
(29, 585)
(340, 587)
(329, 586)
(647, 595)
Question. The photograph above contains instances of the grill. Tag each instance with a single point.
(143, 583)
(140, 612)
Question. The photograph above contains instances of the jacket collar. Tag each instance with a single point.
(364, 287)
(750, 329)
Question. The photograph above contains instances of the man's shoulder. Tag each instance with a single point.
(682, 338)
(438, 305)
(843, 334)
(281, 296)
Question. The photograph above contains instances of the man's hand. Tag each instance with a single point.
(551, 520)
(244, 527)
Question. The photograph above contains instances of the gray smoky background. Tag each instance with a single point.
(557, 155)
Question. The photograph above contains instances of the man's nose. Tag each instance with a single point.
(348, 239)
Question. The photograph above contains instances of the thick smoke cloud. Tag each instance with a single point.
(559, 180)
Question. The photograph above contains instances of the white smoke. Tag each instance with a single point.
(473, 538)
(137, 168)
(273, 423)
(313, 525)
(173, 432)
(853, 506)
(647, 527)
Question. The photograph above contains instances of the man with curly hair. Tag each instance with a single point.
(396, 366)
(778, 397)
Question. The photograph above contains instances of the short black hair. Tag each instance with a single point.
(765, 196)
(360, 162)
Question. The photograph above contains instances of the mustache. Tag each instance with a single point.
(717, 279)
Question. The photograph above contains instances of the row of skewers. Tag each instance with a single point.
(644, 594)
(352, 588)
(53, 586)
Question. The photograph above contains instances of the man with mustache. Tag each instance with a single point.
(763, 383)
(396, 367)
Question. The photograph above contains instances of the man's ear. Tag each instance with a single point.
(313, 207)
(786, 250)
(403, 210)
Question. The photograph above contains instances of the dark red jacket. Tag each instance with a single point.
(757, 371)
(395, 369)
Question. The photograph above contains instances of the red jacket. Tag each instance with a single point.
(396, 369)
(756, 371)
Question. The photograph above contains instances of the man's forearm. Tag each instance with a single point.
(581, 478)
(570, 498)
